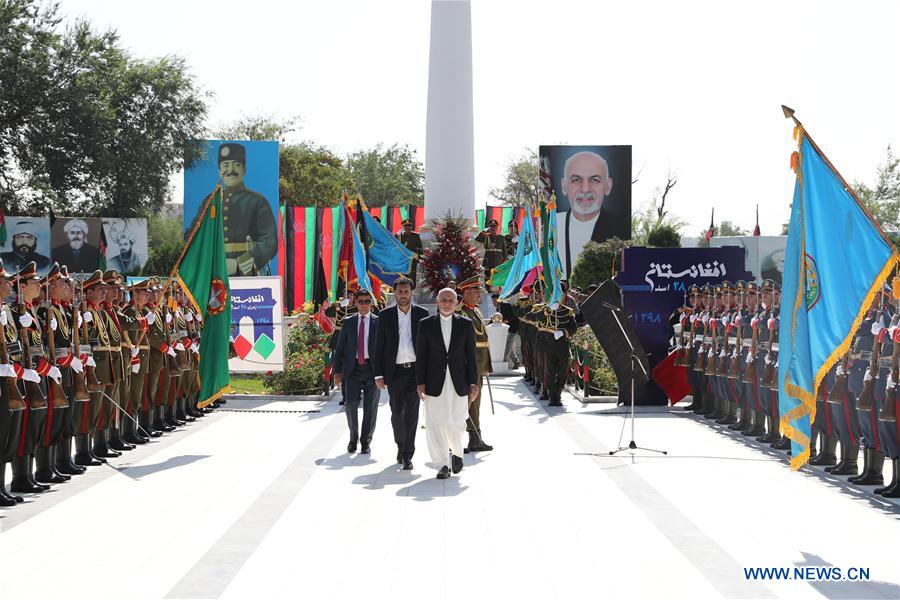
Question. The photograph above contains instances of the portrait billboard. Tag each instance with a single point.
(763, 255)
(28, 239)
(257, 329)
(248, 172)
(126, 244)
(76, 243)
(592, 185)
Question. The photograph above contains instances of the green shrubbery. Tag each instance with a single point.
(602, 378)
(306, 351)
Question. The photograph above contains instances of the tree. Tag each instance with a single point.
(597, 262)
(258, 128)
(312, 175)
(84, 127)
(883, 199)
(521, 185)
(165, 239)
(664, 236)
(389, 176)
(725, 229)
(645, 223)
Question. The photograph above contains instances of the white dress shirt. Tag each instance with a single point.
(446, 330)
(406, 352)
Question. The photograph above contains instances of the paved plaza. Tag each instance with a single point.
(260, 500)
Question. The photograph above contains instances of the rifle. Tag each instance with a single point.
(700, 363)
(170, 361)
(712, 358)
(750, 371)
(836, 393)
(770, 378)
(13, 395)
(734, 369)
(867, 397)
(680, 351)
(33, 393)
(90, 372)
(889, 408)
(58, 394)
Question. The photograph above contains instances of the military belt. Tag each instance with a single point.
(84, 348)
(142, 347)
(482, 344)
(62, 353)
(107, 349)
(14, 347)
(36, 350)
(237, 246)
(747, 343)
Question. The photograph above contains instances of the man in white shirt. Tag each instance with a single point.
(395, 366)
(352, 363)
(447, 378)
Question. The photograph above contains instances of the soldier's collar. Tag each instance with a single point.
(237, 188)
(467, 305)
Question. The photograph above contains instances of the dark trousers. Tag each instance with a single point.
(361, 384)
(404, 410)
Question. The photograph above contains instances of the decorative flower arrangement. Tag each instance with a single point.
(452, 256)
(306, 351)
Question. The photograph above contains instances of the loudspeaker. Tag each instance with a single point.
(598, 310)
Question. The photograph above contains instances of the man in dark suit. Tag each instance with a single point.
(447, 378)
(395, 366)
(352, 363)
(77, 254)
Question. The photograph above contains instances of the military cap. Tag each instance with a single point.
(141, 285)
(27, 272)
(405, 222)
(694, 289)
(726, 285)
(110, 277)
(54, 273)
(95, 279)
(740, 285)
(472, 282)
(769, 285)
(232, 151)
(492, 223)
(751, 286)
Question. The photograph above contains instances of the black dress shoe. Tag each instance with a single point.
(23, 486)
(555, 402)
(444, 473)
(365, 449)
(70, 469)
(120, 445)
(85, 460)
(351, 447)
(7, 501)
(407, 464)
(105, 453)
(50, 477)
(134, 439)
(457, 463)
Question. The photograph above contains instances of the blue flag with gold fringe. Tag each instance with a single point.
(388, 258)
(837, 259)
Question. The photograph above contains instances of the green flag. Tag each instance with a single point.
(203, 275)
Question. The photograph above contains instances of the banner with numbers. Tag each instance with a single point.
(257, 329)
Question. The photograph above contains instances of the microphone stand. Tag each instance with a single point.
(634, 359)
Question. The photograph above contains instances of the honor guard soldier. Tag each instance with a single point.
(79, 399)
(713, 349)
(558, 324)
(12, 404)
(732, 400)
(110, 351)
(700, 350)
(412, 242)
(156, 337)
(471, 291)
(494, 248)
(744, 370)
(138, 319)
(54, 462)
(522, 309)
(887, 415)
(770, 381)
(537, 341)
(35, 371)
(102, 347)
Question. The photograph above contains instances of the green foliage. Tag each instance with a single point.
(312, 175)
(883, 199)
(85, 127)
(258, 128)
(656, 221)
(596, 262)
(602, 377)
(725, 229)
(664, 236)
(165, 240)
(389, 176)
(306, 351)
(521, 185)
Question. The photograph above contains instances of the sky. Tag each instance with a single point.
(694, 86)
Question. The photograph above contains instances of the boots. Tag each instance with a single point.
(101, 447)
(23, 481)
(783, 443)
(772, 436)
(472, 446)
(83, 454)
(63, 460)
(6, 499)
(826, 456)
(158, 422)
(115, 438)
(871, 475)
(45, 472)
(129, 434)
(847, 466)
(144, 421)
(730, 417)
(892, 490)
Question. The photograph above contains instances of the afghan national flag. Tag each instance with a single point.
(300, 264)
(204, 276)
(330, 227)
(479, 218)
(352, 258)
(712, 227)
(103, 245)
(2, 227)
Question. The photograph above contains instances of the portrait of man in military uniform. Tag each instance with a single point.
(251, 233)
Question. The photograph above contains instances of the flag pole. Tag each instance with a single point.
(190, 239)
(789, 114)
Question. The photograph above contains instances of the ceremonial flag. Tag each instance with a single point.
(526, 259)
(330, 227)
(756, 230)
(204, 277)
(2, 227)
(712, 227)
(388, 258)
(352, 259)
(552, 271)
(479, 218)
(837, 259)
(103, 245)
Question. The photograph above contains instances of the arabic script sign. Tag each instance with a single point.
(256, 324)
(659, 271)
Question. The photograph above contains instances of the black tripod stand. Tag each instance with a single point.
(616, 311)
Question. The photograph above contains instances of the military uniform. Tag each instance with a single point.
(12, 405)
(137, 327)
(412, 241)
(494, 249)
(557, 323)
(887, 419)
(483, 360)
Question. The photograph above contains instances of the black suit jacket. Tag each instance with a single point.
(88, 259)
(509, 316)
(388, 341)
(432, 359)
(345, 352)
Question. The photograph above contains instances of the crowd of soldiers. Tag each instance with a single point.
(728, 340)
(91, 368)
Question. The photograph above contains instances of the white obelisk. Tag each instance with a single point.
(449, 132)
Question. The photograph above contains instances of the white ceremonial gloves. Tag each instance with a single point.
(53, 323)
(76, 365)
(170, 351)
(168, 317)
(877, 327)
(3, 319)
(88, 317)
(55, 374)
(557, 334)
(151, 318)
(25, 320)
(345, 302)
(134, 352)
(189, 316)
